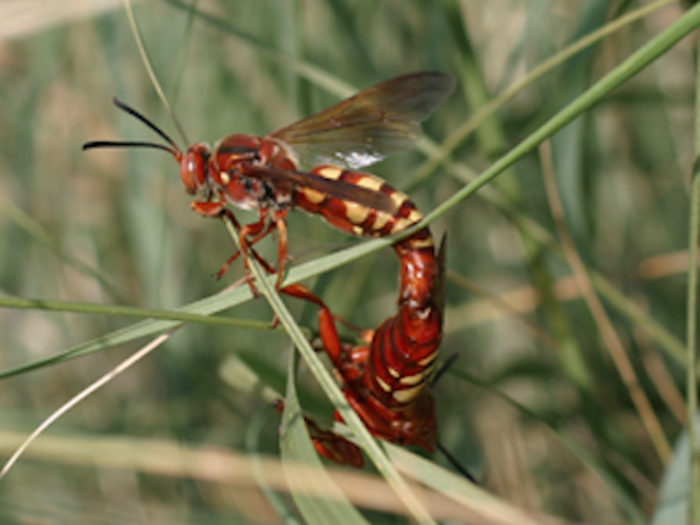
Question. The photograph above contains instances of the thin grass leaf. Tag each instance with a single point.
(253, 436)
(692, 316)
(296, 448)
(484, 506)
(672, 507)
(126, 311)
(632, 510)
(81, 396)
(438, 156)
(208, 306)
(365, 440)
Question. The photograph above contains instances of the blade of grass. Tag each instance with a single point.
(692, 388)
(295, 448)
(605, 327)
(633, 511)
(96, 385)
(655, 48)
(440, 155)
(370, 446)
(486, 507)
(210, 305)
(149, 69)
(127, 311)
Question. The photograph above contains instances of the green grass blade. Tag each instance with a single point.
(484, 505)
(438, 156)
(296, 448)
(672, 506)
(692, 316)
(632, 510)
(366, 441)
(592, 96)
(208, 306)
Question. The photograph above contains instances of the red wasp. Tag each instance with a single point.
(386, 380)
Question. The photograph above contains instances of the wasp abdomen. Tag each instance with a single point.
(358, 218)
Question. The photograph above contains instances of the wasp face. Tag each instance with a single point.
(193, 168)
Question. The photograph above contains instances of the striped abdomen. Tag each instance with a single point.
(394, 381)
(354, 217)
(404, 349)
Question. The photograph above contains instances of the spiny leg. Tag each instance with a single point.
(271, 227)
(249, 234)
(247, 231)
(280, 222)
(326, 325)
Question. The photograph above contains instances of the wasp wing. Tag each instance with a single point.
(370, 125)
(287, 181)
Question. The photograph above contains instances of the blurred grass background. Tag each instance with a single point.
(114, 227)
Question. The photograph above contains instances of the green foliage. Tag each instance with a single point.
(535, 405)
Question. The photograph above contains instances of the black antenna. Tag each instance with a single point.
(127, 144)
(450, 458)
(131, 111)
(174, 150)
(456, 464)
(444, 368)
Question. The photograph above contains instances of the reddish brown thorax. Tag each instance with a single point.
(227, 170)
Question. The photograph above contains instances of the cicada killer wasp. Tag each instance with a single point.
(387, 379)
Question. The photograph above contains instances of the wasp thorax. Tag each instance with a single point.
(193, 167)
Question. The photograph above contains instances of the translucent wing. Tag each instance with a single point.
(288, 180)
(370, 125)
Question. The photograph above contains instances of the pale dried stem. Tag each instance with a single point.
(607, 331)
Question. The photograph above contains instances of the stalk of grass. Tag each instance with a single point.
(592, 96)
(638, 317)
(295, 448)
(607, 331)
(365, 439)
(438, 156)
(127, 311)
(149, 69)
(630, 507)
(81, 396)
(692, 389)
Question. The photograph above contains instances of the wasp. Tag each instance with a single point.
(313, 165)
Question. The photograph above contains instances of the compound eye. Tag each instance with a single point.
(193, 168)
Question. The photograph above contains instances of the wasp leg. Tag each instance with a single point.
(329, 444)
